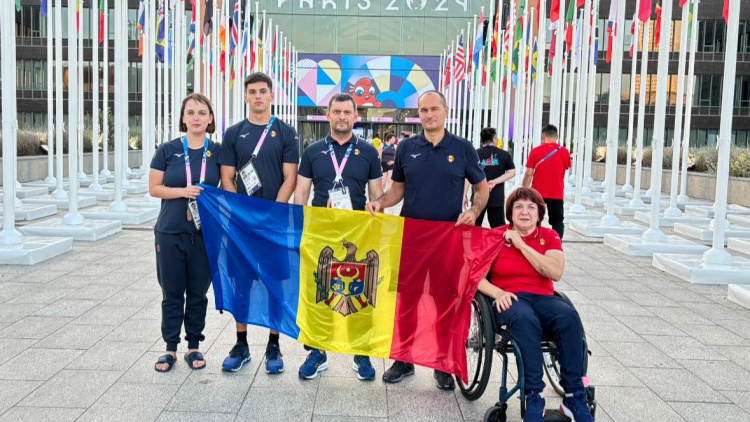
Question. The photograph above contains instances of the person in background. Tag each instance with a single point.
(545, 172)
(388, 158)
(178, 167)
(498, 168)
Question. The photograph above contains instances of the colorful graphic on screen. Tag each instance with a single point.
(373, 81)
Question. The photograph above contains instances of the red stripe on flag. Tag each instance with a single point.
(725, 13)
(435, 290)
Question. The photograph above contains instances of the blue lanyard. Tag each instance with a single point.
(263, 137)
(188, 171)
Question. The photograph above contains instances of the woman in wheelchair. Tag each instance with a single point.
(522, 290)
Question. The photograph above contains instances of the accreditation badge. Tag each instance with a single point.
(193, 214)
(250, 178)
(340, 198)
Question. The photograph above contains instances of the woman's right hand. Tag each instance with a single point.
(191, 192)
(503, 300)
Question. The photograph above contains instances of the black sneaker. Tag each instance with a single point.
(444, 380)
(398, 371)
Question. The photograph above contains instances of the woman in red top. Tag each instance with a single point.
(523, 294)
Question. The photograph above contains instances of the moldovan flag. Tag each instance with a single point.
(345, 281)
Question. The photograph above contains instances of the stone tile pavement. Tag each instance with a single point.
(79, 335)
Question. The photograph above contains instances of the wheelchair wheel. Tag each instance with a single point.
(479, 346)
(496, 413)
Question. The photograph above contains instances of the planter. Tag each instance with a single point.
(32, 168)
(699, 185)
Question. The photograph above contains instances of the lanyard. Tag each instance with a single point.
(553, 152)
(188, 171)
(339, 168)
(263, 137)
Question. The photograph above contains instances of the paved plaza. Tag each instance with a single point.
(80, 334)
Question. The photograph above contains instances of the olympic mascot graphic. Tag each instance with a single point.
(364, 93)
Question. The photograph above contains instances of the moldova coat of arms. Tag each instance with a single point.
(347, 285)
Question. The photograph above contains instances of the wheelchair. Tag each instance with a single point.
(486, 336)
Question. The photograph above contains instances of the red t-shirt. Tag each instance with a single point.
(548, 176)
(513, 273)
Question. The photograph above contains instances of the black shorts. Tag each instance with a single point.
(386, 167)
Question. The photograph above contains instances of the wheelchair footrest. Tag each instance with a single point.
(554, 415)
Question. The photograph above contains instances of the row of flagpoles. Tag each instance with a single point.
(244, 41)
(490, 76)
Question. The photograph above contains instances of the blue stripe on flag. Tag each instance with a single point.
(250, 242)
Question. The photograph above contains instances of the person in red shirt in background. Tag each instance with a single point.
(522, 290)
(545, 172)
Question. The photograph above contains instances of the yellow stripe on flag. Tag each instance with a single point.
(348, 280)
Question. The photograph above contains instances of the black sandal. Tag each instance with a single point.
(168, 359)
(193, 357)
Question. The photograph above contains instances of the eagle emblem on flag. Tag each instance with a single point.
(349, 285)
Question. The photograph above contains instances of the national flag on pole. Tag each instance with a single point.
(534, 56)
(633, 37)
(208, 17)
(160, 38)
(344, 281)
(644, 10)
(191, 38)
(569, 18)
(101, 21)
(554, 11)
(577, 43)
(459, 66)
(234, 36)
(478, 40)
(682, 3)
(553, 41)
(447, 70)
(78, 13)
(18, 5)
(725, 12)
(612, 30)
(140, 25)
(495, 46)
(516, 51)
(43, 7)
(657, 25)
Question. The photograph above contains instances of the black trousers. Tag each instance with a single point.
(495, 215)
(184, 276)
(556, 213)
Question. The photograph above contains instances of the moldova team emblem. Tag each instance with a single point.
(347, 285)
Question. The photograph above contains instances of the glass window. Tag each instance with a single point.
(742, 92)
(414, 34)
(368, 34)
(744, 42)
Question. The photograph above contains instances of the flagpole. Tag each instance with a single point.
(588, 154)
(583, 68)
(472, 82)
(256, 29)
(573, 99)
(121, 100)
(717, 255)
(564, 89)
(556, 95)
(73, 217)
(540, 72)
(50, 179)
(673, 210)
(81, 65)
(528, 52)
(636, 202)
(452, 90)
(59, 192)
(95, 186)
(627, 187)
(508, 53)
(519, 103)
(227, 70)
(486, 90)
(105, 96)
(165, 74)
(683, 197)
(198, 35)
(147, 104)
(613, 123)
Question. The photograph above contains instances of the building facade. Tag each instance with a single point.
(393, 32)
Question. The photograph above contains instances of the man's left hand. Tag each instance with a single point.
(468, 217)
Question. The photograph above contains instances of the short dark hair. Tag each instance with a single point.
(549, 131)
(434, 91)
(529, 194)
(258, 77)
(202, 99)
(342, 98)
(376, 135)
(488, 134)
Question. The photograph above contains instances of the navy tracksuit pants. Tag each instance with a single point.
(184, 276)
(535, 314)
